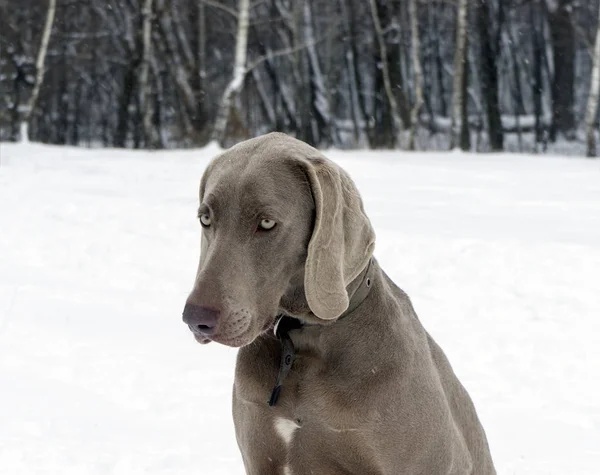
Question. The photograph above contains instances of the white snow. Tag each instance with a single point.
(98, 249)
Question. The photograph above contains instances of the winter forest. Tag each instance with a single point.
(482, 75)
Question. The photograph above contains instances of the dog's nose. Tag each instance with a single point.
(200, 319)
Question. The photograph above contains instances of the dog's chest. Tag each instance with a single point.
(302, 422)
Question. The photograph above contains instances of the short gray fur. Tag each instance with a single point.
(368, 394)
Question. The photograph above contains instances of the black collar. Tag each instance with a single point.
(285, 324)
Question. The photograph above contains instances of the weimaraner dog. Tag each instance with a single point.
(335, 374)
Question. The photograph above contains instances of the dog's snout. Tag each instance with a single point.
(200, 319)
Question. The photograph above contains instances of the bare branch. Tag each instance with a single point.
(221, 7)
(282, 52)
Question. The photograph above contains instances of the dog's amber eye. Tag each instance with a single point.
(205, 220)
(267, 224)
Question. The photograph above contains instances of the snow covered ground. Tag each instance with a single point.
(98, 250)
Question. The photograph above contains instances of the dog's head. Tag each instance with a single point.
(283, 230)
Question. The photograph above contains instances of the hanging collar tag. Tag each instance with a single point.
(282, 328)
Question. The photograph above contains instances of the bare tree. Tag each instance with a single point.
(320, 104)
(165, 73)
(591, 111)
(538, 52)
(199, 116)
(489, 72)
(562, 32)
(460, 64)
(356, 100)
(145, 90)
(416, 49)
(397, 120)
(239, 72)
(40, 70)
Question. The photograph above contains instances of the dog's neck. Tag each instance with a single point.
(297, 335)
(294, 303)
(311, 327)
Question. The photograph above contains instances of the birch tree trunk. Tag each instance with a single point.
(416, 48)
(40, 70)
(150, 135)
(459, 72)
(239, 72)
(591, 111)
(397, 120)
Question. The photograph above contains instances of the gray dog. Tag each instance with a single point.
(335, 375)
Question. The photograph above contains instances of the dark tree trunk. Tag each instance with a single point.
(385, 134)
(356, 67)
(106, 138)
(76, 122)
(278, 100)
(303, 101)
(519, 105)
(536, 83)
(158, 119)
(319, 104)
(439, 62)
(562, 32)
(382, 134)
(302, 89)
(465, 134)
(15, 115)
(137, 123)
(123, 108)
(63, 102)
(395, 57)
(428, 66)
(489, 76)
(271, 70)
(199, 117)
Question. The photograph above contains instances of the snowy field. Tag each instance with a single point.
(98, 250)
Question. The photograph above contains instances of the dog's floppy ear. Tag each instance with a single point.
(342, 241)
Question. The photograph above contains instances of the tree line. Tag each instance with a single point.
(484, 75)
